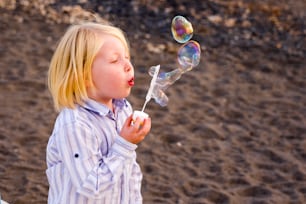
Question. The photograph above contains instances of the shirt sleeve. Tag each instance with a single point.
(91, 173)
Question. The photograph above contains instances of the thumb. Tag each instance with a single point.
(129, 120)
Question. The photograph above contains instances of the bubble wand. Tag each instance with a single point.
(152, 85)
(149, 95)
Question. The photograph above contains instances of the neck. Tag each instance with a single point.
(109, 104)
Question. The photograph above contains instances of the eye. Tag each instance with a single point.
(114, 60)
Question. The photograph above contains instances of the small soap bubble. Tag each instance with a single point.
(160, 97)
(181, 29)
(188, 55)
(165, 79)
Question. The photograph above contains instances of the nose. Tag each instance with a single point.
(128, 66)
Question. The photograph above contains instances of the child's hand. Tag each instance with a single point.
(135, 131)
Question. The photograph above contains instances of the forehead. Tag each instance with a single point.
(112, 43)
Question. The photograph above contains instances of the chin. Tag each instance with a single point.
(128, 92)
(125, 94)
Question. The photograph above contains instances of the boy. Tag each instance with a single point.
(91, 154)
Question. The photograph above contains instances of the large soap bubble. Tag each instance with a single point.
(181, 29)
(188, 55)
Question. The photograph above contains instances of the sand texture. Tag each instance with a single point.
(234, 131)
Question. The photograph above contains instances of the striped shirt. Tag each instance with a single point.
(88, 161)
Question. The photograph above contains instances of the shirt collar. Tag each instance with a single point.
(102, 109)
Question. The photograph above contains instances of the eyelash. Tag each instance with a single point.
(116, 60)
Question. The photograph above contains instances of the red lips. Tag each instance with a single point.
(131, 82)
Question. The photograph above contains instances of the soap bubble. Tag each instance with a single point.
(181, 29)
(188, 55)
(165, 79)
(159, 96)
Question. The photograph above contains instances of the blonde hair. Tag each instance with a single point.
(70, 68)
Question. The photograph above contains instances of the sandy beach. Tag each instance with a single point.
(234, 131)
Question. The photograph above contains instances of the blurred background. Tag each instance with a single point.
(234, 129)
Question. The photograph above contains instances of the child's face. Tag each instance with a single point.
(112, 72)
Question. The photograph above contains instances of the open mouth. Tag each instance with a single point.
(131, 82)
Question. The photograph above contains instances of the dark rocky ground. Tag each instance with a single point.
(235, 127)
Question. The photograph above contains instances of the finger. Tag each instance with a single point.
(147, 123)
(145, 126)
(129, 121)
(136, 124)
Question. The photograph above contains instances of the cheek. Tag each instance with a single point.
(104, 79)
(97, 72)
